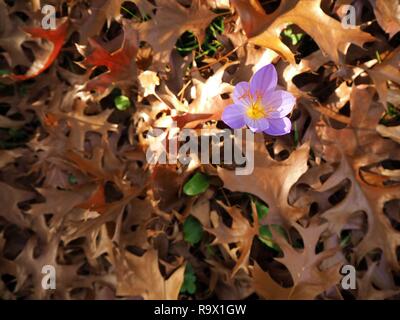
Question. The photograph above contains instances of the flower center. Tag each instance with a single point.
(256, 111)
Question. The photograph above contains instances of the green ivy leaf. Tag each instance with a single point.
(192, 230)
(122, 103)
(189, 280)
(199, 183)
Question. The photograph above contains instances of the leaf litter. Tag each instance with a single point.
(76, 107)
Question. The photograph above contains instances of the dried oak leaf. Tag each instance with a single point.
(271, 180)
(264, 30)
(109, 212)
(240, 233)
(80, 124)
(56, 38)
(100, 12)
(367, 288)
(145, 7)
(96, 202)
(121, 64)
(207, 103)
(58, 203)
(166, 184)
(29, 266)
(170, 21)
(349, 145)
(9, 156)
(389, 132)
(141, 276)
(227, 287)
(9, 199)
(11, 38)
(387, 13)
(389, 69)
(304, 266)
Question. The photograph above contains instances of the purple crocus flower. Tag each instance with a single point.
(259, 106)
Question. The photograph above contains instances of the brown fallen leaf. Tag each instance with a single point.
(207, 103)
(57, 38)
(304, 266)
(264, 30)
(9, 198)
(80, 124)
(96, 202)
(367, 288)
(58, 203)
(387, 14)
(140, 276)
(240, 233)
(389, 69)
(170, 21)
(12, 37)
(101, 11)
(389, 132)
(348, 145)
(271, 180)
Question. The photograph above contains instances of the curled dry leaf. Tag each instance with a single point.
(56, 38)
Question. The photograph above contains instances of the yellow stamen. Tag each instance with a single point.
(256, 110)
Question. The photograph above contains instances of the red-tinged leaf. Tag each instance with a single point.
(186, 118)
(57, 38)
(96, 202)
(121, 63)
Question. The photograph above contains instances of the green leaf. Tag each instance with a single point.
(189, 280)
(122, 103)
(298, 37)
(72, 179)
(192, 230)
(210, 250)
(4, 72)
(295, 37)
(199, 183)
(266, 235)
(288, 32)
(378, 56)
(296, 134)
(262, 209)
(345, 241)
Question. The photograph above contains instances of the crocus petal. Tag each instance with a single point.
(241, 94)
(278, 127)
(258, 125)
(263, 81)
(278, 104)
(233, 116)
